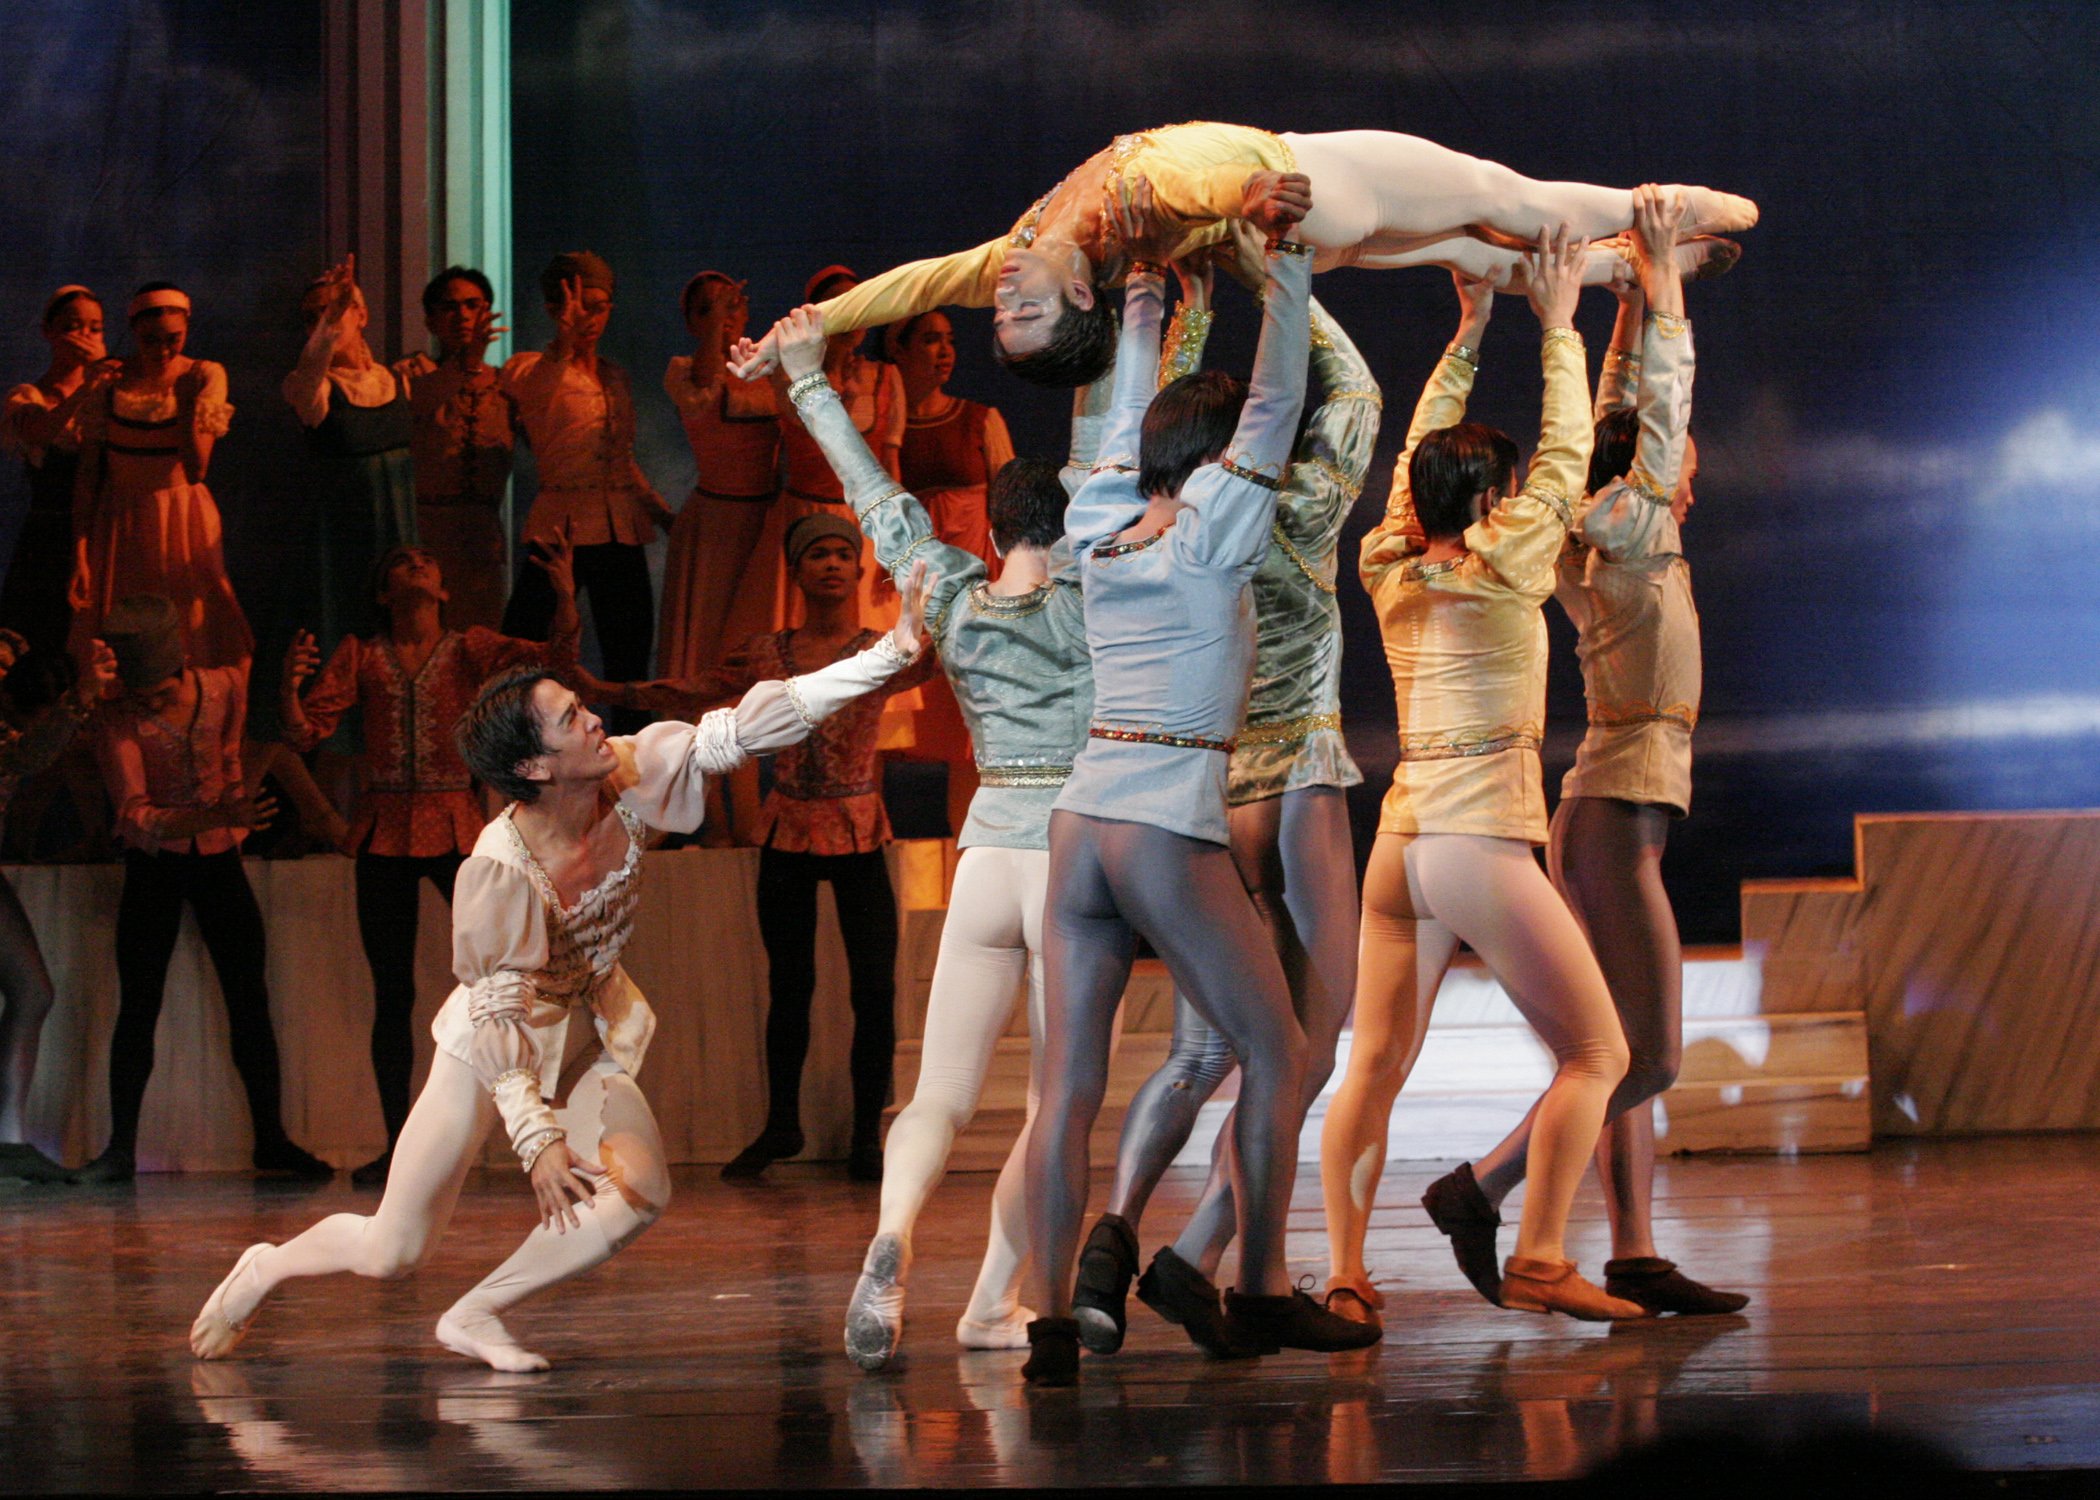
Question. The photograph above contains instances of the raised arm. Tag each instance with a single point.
(1232, 503)
(1631, 517)
(663, 768)
(892, 519)
(310, 716)
(1620, 380)
(1520, 539)
(964, 279)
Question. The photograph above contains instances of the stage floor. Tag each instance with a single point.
(1928, 1288)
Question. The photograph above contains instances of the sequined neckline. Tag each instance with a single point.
(1118, 549)
(982, 598)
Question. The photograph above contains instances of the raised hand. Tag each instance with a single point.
(1138, 227)
(98, 677)
(484, 331)
(908, 635)
(555, 555)
(301, 661)
(1476, 297)
(1657, 218)
(748, 361)
(1553, 270)
(1274, 202)
(798, 342)
(572, 320)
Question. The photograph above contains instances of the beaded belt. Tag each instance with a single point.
(1283, 731)
(827, 791)
(1452, 750)
(1023, 776)
(1152, 737)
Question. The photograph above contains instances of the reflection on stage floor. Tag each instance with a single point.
(1917, 1289)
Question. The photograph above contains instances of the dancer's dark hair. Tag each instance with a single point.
(1452, 466)
(1611, 455)
(1188, 425)
(435, 288)
(1026, 504)
(1080, 351)
(502, 730)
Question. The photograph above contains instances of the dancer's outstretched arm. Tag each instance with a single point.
(1442, 404)
(663, 769)
(1630, 517)
(1232, 503)
(1520, 540)
(964, 279)
(891, 517)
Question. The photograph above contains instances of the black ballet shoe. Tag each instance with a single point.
(1656, 1284)
(864, 1162)
(373, 1173)
(1185, 1297)
(1295, 1321)
(1105, 1268)
(1053, 1352)
(116, 1164)
(771, 1146)
(1461, 1210)
(24, 1163)
(285, 1156)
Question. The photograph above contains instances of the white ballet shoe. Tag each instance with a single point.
(479, 1334)
(1009, 1332)
(875, 1316)
(1709, 211)
(218, 1331)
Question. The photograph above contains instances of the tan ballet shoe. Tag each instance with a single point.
(1710, 211)
(1550, 1286)
(214, 1335)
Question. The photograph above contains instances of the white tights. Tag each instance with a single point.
(1422, 894)
(1383, 199)
(992, 936)
(608, 1122)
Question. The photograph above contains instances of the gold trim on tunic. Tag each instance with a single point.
(1285, 731)
(1455, 747)
(1318, 578)
(1023, 776)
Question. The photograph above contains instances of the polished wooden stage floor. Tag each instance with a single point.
(1937, 1289)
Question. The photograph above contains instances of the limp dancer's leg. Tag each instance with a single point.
(1379, 182)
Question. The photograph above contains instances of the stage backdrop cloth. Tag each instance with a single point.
(695, 954)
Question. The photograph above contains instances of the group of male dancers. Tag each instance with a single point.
(1151, 688)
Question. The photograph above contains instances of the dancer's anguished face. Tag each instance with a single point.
(160, 335)
(76, 330)
(572, 738)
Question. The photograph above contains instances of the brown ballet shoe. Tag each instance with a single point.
(1461, 1210)
(1555, 1286)
(1706, 256)
(1357, 1305)
(1660, 1287)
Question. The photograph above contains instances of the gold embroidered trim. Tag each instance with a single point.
(1640, 711)
(536, 1145)
(1252, 476)
(1154, 737)
(1465, 354)
(1369, 393)
(1013, 606)
(1320, 578)
(1284, 731)
(884, 498)
(1561, 336)
(1451, 747)
(1183, 353)
(1550, 496)
(1023, 776)
(1623, 356)
(794, 697)
(1320, 337)
(505, 1077)
(1431, 569)
(1638, 480)
(1669, 325)
(1109, 550)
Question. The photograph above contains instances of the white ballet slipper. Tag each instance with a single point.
(875, 1316)
(217, 1332)
(479, 1334)
(1009, 1332)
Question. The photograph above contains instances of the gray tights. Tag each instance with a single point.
(1112, 882)
(1296, 860)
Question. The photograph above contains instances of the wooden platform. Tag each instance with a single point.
(1917, 1288)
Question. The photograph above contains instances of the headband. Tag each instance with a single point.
(167, 296)
(64, 295)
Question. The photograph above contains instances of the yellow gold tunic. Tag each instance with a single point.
(1198, 174)
(1464, 638)
(1626, 585)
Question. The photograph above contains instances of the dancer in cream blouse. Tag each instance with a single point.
(541, 914)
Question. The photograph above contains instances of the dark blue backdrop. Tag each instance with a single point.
(1899, 524)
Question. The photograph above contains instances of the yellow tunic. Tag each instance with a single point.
(1198, 174)
(1465, 639)
(1626, 585)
